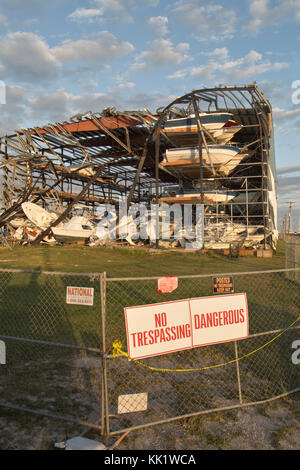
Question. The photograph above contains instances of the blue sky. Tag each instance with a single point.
(62, 57)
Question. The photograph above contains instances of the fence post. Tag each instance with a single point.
(238, 372)
(105, 415)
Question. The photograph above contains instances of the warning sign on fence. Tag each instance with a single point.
(167, 284)
(80, 295)
(184, 324)
(223, 284)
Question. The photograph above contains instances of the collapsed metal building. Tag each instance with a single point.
(97, 158)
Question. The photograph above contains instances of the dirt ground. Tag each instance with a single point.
(273, 426)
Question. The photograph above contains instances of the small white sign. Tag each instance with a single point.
(132, 403)
(2, 352)
(184, 324)
(80, 295)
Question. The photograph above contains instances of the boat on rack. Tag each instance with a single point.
(210, 197)
(216, 154)
(224, 135)
(220, 126)
(211, 122)
(186, 160)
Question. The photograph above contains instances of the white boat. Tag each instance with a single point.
(209, 196)
(76, 229)
(38, 216)
(224, 135)
(186, 160)
(211, 122)
(216, 154)
(221, 126)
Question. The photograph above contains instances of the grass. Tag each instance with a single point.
(121, 262)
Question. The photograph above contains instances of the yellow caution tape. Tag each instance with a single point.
(117, 350)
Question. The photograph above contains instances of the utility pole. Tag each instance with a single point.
(290, 216)
(284, 226)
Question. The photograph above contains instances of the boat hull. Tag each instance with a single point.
(214, 154)
(211, 122)
(61, 234)
(210, 197)
(37, 215)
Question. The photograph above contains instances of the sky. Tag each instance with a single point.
(59, 58)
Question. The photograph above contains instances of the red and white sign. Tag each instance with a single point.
(184, 324)
(80, 295)
(167, 284)
(219, 319)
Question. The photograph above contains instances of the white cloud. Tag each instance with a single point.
(51, 106)
(60, 104)
(112, 10)
(264, 13)
(82, 14)
(277, 91)
(27, 57)
(206, 71)
(221, 65)
(162, 52)
(288, 169)
(221, 53)
(209, 20)
(128, 85)
(158, 25)
(178, 74)
(251, 65)
(283, 116)
(103, 46)
(15, 94)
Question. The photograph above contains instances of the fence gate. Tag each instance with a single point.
(139, 395)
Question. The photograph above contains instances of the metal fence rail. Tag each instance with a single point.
(60, 360)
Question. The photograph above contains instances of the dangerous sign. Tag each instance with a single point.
(80, 295)
(184, 324)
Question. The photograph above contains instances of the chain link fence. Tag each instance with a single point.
(52, 348)
(292, 255)
(273, 303)
(60, 360)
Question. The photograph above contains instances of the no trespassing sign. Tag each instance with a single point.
(185, 324)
